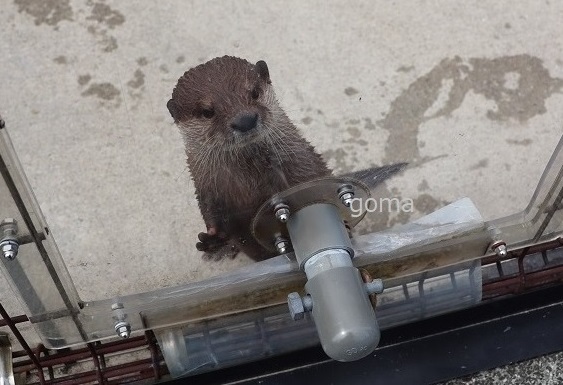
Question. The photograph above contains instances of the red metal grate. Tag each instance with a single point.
(36, 361)
(529, 275)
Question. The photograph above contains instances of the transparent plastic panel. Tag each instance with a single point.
(63, 320)
(542, 218)
(127, 180)
(215, 344)
(108, 162)
(449, 236)
(38, 274)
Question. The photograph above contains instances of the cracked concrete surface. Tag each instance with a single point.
(469, 94)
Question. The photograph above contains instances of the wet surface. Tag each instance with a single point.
(518, 86)
(50, 12)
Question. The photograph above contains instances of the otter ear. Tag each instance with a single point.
(262, 69)
(173, 109)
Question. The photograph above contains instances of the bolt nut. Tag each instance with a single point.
(282, 215)
(9, 249)
(346, 195)
(282, 212)
(347, 199)
(296, 308)
(123, 329)
(500, 249)
(282, 245)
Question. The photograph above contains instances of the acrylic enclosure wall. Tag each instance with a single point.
(450, 237)
(465, 126)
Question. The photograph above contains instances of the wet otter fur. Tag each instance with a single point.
(241, 149)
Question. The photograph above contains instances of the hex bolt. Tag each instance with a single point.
(282, 212)
(9, 241)
(122, 327)
(346, 194)
(282, 245)
(500, 249)
(374, 287)
(9, 249)
(298, 306)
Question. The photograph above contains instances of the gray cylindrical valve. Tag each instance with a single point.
(341, 309)
(343, 314)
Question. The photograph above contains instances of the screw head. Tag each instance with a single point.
(9, 249)
(124, 332)
(123, 329)
(347, 199)
(117, 305)
(282, 212)
(282, 245)
(500, 249)
(346, 194)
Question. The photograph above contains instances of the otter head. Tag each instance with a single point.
(224, 103)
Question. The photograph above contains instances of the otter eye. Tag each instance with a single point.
(208, 113)
(255, 92)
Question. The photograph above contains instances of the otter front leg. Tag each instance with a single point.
(215, 241)
(226, 251)
(216, 246)
(210, 241)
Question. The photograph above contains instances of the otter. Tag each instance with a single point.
(241, 149)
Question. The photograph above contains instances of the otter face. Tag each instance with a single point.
(224, 103)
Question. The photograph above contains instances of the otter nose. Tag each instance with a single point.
(244, 122)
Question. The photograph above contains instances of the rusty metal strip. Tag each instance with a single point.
(15, 320)
(84, 353)
(23, 343)
(97, 366)
(41, 349)
(151, 341)
(514, 285)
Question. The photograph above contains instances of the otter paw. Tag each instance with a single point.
(210, 242)
(225, 252)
